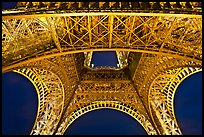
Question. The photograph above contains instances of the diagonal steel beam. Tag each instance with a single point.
(152, 68)
(132, 26)
(26, 25)
(68, 30)
(110, 30)
(89, 30)
(54, 33)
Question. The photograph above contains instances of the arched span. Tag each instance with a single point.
(188, 105)
(19, 104)
(109, 104)
(161, 97)
(105, 121)
(50, 98)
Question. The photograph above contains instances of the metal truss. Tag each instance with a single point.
(108, 89)
(88, 58)
(31, 38)
(148, 68)
(122, 58)
(53, 48)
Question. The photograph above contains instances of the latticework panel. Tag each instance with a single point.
(164, 34)
(22, 38)
(104, 75)
(150, 66)
(105, 89)
(66, 68)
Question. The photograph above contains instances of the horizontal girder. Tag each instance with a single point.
(38, 37)
(62, 7)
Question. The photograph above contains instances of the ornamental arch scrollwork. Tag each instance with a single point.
(116, 105)
(161, 97)
(50, 93)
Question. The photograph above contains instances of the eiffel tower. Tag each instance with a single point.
(158, 45)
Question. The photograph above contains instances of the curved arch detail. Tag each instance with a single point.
(108, 104)
(50, 98)
(161, 97)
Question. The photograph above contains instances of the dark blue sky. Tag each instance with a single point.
(19, 106)
(8, 5)
(105, 122)
(107, 59)
(188, 104)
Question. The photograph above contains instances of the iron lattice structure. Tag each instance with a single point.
(158, 45)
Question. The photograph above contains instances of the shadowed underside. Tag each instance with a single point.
(160, 50)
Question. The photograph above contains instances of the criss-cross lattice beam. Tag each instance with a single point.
(72, 34)
(62, 68)
(152, 67)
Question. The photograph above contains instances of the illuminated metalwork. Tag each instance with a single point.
(158, 44)
(161, 96)
(50, 95)
(122, 58)
(88, 58)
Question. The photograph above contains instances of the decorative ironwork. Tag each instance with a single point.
(30, 38)
(161, 97)
(51, 43)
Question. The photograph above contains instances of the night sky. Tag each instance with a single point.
(107, 59)
(19, 107)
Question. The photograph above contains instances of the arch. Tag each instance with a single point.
(161, 96)
(105, 121)
(188, 104)
(50, 93)
(112, 105)
(18, 97)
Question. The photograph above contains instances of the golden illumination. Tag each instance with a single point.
(156, 50)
